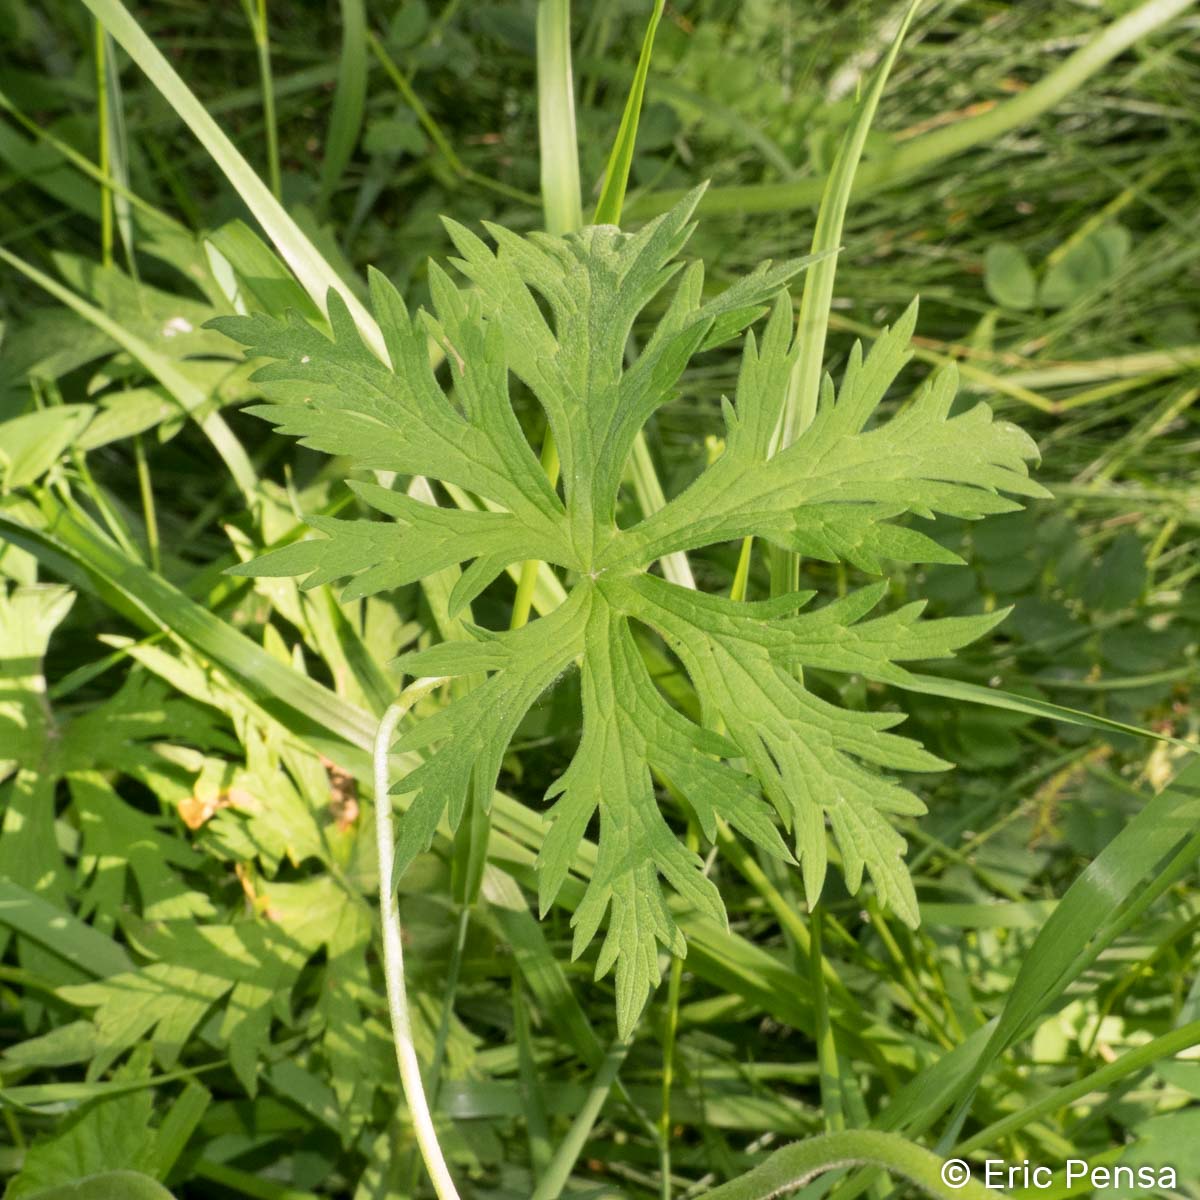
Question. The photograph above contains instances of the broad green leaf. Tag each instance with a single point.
(119, 733)
(1008, 277)
(408, 24)
(1114, 241)
(1086, 264)
(1117, 580)
(1170, 1140)
(118, 839)
(30, 445)
(125, 413)
(173, 324)
(111, 1185)
(835, 493)
(1080, 270)
(251, 967)
(104, 1135)
(74, 1042)
(28, 616)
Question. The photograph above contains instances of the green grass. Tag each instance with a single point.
(1047, 1005)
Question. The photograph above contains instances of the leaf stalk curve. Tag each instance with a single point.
(393, 947)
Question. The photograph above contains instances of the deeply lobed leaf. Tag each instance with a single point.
(556, 314)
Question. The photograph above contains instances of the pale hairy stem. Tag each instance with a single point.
(558, 1171)
(393, 945)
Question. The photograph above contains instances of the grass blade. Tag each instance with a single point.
(561, 204)
(256, 15)
(616, 173)
(1138, 1059)
(1166, 821)
(537, 1124)
(192, 399)
(812, 325)
(558, 1173)
(349, 99)
(1080, 921)
(556, 118)
(972, 693)
(309, 265)
(89, 560)
(69, 938)
(914, 157)
(800, 404)
(646, 485)
(118, 152)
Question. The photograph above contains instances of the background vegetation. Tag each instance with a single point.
(188, 981)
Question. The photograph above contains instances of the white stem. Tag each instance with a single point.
(393, 950)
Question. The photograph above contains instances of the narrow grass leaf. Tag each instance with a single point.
(1101, 1080)
(557, 1175)
(1107, 883)
(800, 406)
(620, 159)
(559, 148)
(310, 266)
(190, 397)
(989, 697)
(349, 98)
(911, 159)
(1115, 875)
(69, 937)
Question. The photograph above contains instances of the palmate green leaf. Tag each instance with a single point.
(316, 914)
(555, 314)
(106, 1135)
(28, 616)
(111, 1185)
(250, 968)
(118, 840)
(29, 851)
(41, 746)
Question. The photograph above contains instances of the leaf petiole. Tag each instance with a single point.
(393, 949)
